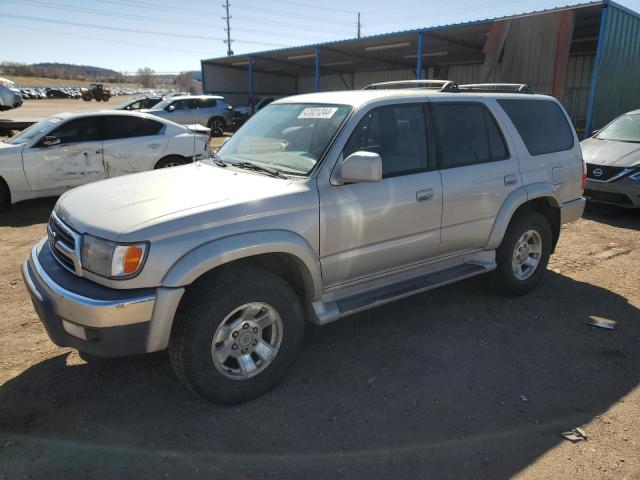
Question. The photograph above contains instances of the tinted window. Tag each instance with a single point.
(468, 134)
(185, 104)
(398, 134)
(541, 124)
(135, 105)
(126, 127)
(78, 130)
(207, 102)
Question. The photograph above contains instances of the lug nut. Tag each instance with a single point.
(255, 342)
(244, 350)
(234, 346)
(245, 326)
(234, 334)
(255, 329)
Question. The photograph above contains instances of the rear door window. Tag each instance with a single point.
(468, 135)
(542, 125)
(128, 127)
(207, 102)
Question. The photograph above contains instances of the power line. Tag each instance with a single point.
(227, 18)
(129, 30)
(317, 7)
(280, 13)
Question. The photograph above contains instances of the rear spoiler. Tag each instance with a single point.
(197, 128)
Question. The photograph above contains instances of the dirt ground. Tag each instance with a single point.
(458, 382)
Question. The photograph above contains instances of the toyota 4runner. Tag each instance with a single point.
(321, 206)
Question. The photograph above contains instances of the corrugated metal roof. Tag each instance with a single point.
(235, 58)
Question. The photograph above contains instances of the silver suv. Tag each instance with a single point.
(209, 110)
(321, 206)
(10, 96)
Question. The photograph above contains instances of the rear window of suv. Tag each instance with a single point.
(542, 125)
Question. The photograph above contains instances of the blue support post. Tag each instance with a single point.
(251, 82)
(419, 59)
(317, 69)
(596, 72)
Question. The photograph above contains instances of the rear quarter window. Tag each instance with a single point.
(542, 125)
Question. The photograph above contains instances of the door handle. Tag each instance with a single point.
(424, 195)
(510, 180)
(153, 145)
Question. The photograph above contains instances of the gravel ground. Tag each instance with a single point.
(458, 382)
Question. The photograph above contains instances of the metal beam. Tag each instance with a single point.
(369, 58)
(457, 43)
(250, 69)
(317, 69)
(596, 72)
(419, 59)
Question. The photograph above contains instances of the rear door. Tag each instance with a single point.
(76, 160)
(132, 144)
(478, 172)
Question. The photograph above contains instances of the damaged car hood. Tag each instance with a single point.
(124, 205)
(610, 152)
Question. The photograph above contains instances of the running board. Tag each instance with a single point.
(326, 312)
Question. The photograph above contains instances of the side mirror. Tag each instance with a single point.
(359, 167)
(49, 140)
(171, 108)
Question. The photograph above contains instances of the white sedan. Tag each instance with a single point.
(68, 150)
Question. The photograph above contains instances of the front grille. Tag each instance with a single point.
(607, 197)
(64, 244)
(603, 172)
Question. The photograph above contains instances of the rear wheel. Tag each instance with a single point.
(170, 161)
(217, 126)
(524, 253)
(236, 340)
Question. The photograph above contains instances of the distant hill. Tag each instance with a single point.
(64, 71)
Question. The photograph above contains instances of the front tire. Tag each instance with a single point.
(170, 161)
(524, 253)
(236, 337)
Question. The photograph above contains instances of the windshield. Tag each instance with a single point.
(623, 129)
(35, 130)
(290, 138)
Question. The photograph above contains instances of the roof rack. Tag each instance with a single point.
(437, 85)
(496, 87)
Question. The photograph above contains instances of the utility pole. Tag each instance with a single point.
(359, 25)
(228, 29)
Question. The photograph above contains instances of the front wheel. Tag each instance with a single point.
(217, 126)
(524, 253)
(170, 161)
(237, 339)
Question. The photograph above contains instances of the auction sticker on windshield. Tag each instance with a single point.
(318, 112)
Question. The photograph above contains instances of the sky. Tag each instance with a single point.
(170, 36)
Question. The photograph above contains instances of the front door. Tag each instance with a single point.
(74, 161)
(368, 229)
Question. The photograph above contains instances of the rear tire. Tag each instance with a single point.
(524, 253)
(170, 161)
(254, 310)
(217, 126)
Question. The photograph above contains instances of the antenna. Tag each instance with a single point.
(227, 18)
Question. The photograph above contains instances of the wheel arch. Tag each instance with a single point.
(282, 252)
(539, 197)
(5, 192)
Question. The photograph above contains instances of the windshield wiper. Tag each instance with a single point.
(218, 161)
(258, 168)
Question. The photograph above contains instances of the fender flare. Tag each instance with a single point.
(236, 247)
(515, 200)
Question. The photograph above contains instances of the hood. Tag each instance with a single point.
(114, 207)
(610, 153)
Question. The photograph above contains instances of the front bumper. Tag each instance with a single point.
(81, 314)
(623, 192)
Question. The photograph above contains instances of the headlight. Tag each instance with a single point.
(635, 176)
(110, 259)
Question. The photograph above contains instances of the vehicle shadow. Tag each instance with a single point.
(458, 382)
(26, 213)
(614, 216)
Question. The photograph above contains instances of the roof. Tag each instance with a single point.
(106, 113)
(358, 98)
(187, 97)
